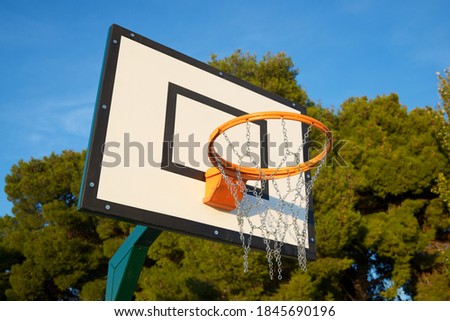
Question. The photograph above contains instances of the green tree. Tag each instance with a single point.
(192, 269)
(9, 255)
(434, 280)
(275, 73)
(376, 216)
(443, 131)
(380, 226)
(59, 247)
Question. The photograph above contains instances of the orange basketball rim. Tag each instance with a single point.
(217, 193)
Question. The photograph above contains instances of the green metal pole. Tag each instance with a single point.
(126, 264)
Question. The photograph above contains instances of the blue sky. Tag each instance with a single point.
(51, 55)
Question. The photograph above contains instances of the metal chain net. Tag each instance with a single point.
(286, 215)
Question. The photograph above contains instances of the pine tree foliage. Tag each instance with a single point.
(443, 132)
(201, 270)
(59, 247)
(434, 283)
(380, 207)
(275, 73)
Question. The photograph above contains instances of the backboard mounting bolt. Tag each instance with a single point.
(107, 206)
(114, 41)
(132, 34)
(312, 239)
(91, 184)
(104, 106)
(216, 232)
(220, 73)
(293, 104)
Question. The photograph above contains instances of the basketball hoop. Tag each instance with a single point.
(281, 216)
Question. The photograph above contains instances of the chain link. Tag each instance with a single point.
(290, 211)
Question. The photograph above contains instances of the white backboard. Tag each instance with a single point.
(147, 154)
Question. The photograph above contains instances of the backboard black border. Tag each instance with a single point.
(88, 200)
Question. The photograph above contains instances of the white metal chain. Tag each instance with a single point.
(274, 220)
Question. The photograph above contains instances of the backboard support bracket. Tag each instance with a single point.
(126, 264)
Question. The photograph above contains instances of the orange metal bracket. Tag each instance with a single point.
(217, 193)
